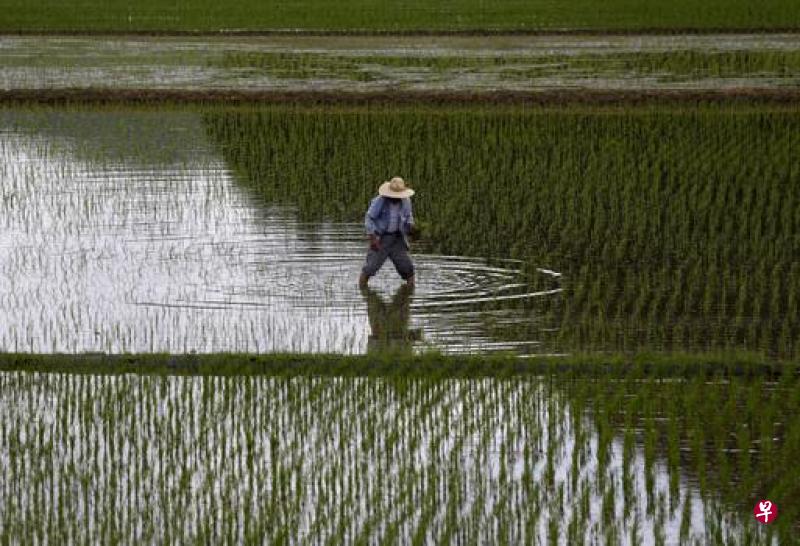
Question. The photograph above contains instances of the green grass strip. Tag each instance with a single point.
(430, 365)
(384, 15)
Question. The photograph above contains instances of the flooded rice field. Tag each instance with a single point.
(674, 228)
(208, 229)
(128, 232)
(137, 459)
(418, 63)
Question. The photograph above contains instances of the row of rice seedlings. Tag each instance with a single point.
(671, 225)
(304, 460)
(368, 15)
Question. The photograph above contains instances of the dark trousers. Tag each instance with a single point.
(393, 246)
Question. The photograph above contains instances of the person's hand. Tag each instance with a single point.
(374, 242)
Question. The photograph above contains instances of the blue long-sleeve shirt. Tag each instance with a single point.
(378, 216)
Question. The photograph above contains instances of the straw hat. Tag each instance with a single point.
(396, 187)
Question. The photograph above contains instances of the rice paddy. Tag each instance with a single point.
(250, 459)
(195, 229)
(602, 343)
(216, 224)
(674, 228)
(190, 229)
(121, 236)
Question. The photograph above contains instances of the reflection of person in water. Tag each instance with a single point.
(389, 321)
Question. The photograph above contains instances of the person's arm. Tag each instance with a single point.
(373, 211)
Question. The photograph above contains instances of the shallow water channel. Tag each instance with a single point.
(125, 231)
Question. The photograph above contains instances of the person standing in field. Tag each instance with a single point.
(389, 221)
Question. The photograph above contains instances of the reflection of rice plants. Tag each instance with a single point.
(674, 227)
(396, 458)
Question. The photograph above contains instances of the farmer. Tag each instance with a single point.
(389, 220)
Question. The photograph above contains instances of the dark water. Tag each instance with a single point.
(125, 231)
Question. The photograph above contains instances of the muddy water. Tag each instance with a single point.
(127, 232)
(364, 63)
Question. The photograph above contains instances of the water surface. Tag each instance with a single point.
(125, 231)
